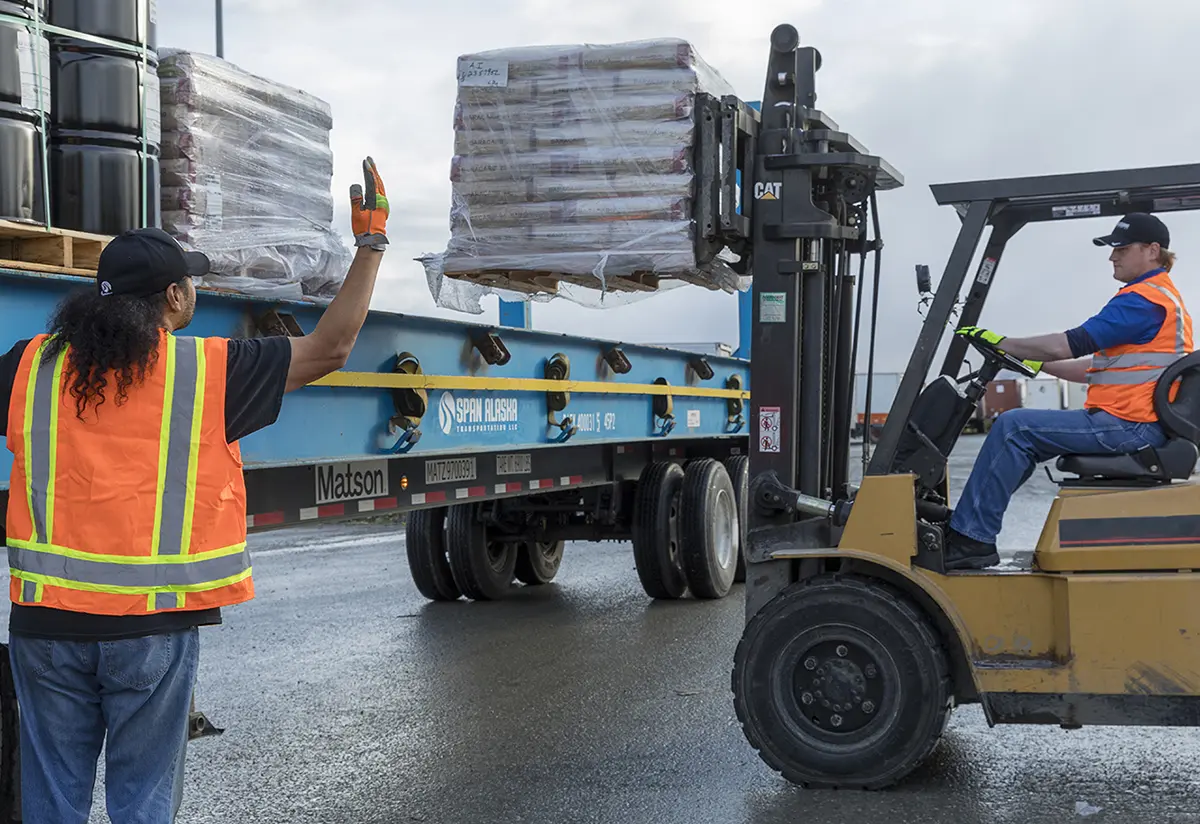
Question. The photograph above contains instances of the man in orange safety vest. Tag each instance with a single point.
(126, 515)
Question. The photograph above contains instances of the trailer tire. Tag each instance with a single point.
(708, 529)
(538, 562)
(738, 468)
(656, 531)
(842, 681)
(427, 562)
(482, 569)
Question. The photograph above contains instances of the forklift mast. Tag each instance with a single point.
(808, 209)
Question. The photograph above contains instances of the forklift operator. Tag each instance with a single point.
(1119, 353)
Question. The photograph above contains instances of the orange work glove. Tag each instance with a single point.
(369, 214)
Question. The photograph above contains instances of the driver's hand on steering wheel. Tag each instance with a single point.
(987, 336)
(979, 333)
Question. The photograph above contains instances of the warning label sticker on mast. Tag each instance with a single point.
(768, 429)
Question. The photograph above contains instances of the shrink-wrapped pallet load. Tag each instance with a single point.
(246, 178)
(574, 174)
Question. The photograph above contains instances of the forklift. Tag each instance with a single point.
(857, 643)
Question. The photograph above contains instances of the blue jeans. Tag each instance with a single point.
(1019, 440)
(69, 694)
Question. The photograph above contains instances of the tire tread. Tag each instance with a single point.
(929, 638)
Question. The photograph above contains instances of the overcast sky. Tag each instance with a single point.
(944, 90)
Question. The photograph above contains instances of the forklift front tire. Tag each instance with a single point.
(840, 681)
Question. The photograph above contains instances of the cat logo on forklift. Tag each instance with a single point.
(768, 191)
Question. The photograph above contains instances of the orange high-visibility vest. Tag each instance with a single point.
(136, 509)
(1121, 379)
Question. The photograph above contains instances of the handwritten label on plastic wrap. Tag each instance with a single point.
(482, 72)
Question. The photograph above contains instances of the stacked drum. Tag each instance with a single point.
(87, 69)
(105, 121)
(24, 58)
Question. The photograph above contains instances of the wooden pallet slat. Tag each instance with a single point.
(38, 249)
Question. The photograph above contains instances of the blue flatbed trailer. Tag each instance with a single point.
(511, 456)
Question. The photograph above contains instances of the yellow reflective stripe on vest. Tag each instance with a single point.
(139, 577)
(87, 586)
(179, 446)
(40, 433)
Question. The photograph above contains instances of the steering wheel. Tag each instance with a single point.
(1005, 360)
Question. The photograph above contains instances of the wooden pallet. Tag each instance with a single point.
(546, 283)
(35, 248)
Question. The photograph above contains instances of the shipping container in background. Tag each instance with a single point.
(1043, 393)
(1002, 395)
(883, 392)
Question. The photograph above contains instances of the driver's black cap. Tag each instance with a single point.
(143, 262)
(1137, 227)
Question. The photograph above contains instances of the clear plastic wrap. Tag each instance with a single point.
(246, 178)
(574, 175)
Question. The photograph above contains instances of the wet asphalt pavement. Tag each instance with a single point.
(346, 697)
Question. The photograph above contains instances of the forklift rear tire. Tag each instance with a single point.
(738, 468)
(840, 681)
(425, 538)
(708, 529)
(538, 562)
(656, 531)
(482, 568)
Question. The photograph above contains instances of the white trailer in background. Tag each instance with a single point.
(1043, 393)
(1076, 393)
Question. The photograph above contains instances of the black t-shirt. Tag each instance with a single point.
(254, 383)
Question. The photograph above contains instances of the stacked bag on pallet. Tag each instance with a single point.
(574, 174)
(246, 178)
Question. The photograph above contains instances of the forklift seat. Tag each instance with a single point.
(1173, 461)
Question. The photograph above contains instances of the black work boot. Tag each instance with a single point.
(962, 552)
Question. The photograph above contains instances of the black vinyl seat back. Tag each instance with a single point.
(1180, 419)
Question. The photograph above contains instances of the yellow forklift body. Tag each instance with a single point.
(1102, 616)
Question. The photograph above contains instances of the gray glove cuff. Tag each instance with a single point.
(376, 242)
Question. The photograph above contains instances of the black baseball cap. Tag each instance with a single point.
(1137, 227)
(143, 262)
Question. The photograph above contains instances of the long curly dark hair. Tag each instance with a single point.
(109, 336)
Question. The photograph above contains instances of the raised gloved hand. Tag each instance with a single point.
(369, 212)
(986, 335)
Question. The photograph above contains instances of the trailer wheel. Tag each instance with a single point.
(427, 561)
(709, 529)
(656, 531)
(738, 468)
(538, 562)
(482, 568)
(841, 682)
